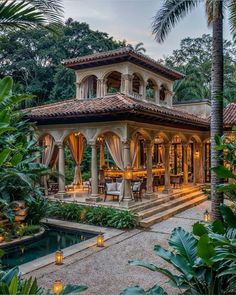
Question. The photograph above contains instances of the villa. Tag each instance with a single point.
(124, 103)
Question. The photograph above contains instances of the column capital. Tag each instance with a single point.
(60, 144)
(93, 143)
(127, 76)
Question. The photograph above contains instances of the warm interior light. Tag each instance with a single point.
(59, 257)
(207, 216)
(128, 173)
(100, 240)
(197, 154)
(2, 239)
(57, 287)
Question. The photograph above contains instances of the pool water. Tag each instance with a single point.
(53, 239)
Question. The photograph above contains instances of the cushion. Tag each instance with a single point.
(111, 186)
(113, 193)
(119, 184)
(136, 186)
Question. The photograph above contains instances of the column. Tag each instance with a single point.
(201, 163)
(185, 160)
(94, 171)
(167, 188)
(78, 90)
(127, 200)
(149, 192)
(61, 168)
(127, 83)
(157, 95)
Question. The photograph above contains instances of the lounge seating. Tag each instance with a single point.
(113, 189)
(137, 190)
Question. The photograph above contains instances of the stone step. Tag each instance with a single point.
(167, 205)
(164, 198)
(147, 222)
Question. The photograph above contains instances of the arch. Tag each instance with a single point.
(89, 87)
(144, 133)
(113, 82)
(42, 135)
(180, 135)
(108, 130)
(196, 138)
(163, 135)
(137, 83)
(151, 89)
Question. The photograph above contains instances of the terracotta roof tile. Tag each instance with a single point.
(126, 53)
(230, 114)
(111, 105)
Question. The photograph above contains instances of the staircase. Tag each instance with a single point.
(166, 206)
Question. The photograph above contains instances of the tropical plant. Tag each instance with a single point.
(227, 145)
(204, 261)
(29, 13)
(38, 207)
(139, 47)
(166, 18)
(11, 283)
(98, 215)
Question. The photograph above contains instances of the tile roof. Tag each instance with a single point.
(230, 115)
(112, 105)
(122, 54)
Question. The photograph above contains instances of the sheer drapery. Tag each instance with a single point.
(134, 149)
(89, 87)
(76, 145)
(49, 157)
(115, 148)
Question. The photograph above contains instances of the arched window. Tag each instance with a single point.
(163, 92)
(90, 87)
(137, 83)
(150, 90)
(113, 82)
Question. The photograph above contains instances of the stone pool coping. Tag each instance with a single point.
(50, 258)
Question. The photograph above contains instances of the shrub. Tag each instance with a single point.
(37, 208)
(101, 216)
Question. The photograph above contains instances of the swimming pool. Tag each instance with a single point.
(54, 238)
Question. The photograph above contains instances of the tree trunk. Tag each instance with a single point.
(216, 103)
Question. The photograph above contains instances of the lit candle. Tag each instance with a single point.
(59, 257)
(2, 239)
(207, 216)
(100, 240)
(57, 287)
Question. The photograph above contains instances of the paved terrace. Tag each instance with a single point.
(106, 270)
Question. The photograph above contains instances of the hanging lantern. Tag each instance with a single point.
(128, 173)
(59, 257)
(57, 287)
(197, 154)
(2, 238)
(100, 240)
(207, 216)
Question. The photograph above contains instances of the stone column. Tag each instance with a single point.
(127, 200)
(61, 169)
(94, 174)
(157, 95)
(99, 84)
(201, 163)
(196, 157)
(78, 90)
(149, 193)
(167, 188)
(127, 83)
(185, 160)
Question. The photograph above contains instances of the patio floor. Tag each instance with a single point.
(106, 270)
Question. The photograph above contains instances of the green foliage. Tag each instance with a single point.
(38, 207)
(227, 145)
(99, 215)
(19, 230)
(156, 290)
(204, 261)
(36, 64)
(12, 284)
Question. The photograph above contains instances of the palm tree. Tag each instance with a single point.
(166, 18)
(30, 13)
(138, 47)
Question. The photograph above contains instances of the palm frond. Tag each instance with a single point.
(170, 13)
(232, 17)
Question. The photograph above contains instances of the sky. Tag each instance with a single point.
(131, 20)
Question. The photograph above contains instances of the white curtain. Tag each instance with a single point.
(49, 157)
(76, 145)
(134, 149)
(88, 87)
(115, 148)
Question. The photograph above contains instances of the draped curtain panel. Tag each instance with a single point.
(76, 144)
(88, 87)
(49, 157)
(115, 148)
(134, 149)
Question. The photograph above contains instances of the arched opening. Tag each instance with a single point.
(89, 87)
(163, 93)
(176, 155)
(137, 84)
(151, 90)
(113, 82)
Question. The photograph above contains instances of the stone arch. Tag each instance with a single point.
(137, 83)
(180, 135)
(109, 130)
(144, 133)
(151, 89)
(89, 86)
(112, 82)
(163, 135)
(43, 134)
(196, 138)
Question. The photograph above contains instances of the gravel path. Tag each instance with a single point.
(106, 270)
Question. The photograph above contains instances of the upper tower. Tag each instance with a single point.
(126, 71)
